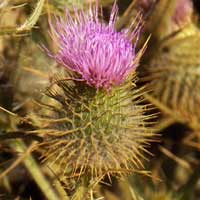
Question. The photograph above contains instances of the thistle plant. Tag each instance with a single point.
(86, 135)
(91, 119)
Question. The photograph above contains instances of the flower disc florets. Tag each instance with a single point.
(93, 49)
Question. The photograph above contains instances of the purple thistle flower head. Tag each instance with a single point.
(93, 49)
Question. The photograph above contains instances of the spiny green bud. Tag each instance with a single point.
(91, 131)
(174, 76)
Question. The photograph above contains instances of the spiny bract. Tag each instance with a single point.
(89, 130)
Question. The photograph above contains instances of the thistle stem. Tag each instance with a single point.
(35, 172)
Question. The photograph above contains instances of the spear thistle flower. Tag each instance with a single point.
(93, 49)
(85, 129)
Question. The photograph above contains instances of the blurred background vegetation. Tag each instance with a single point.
(170, 70)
